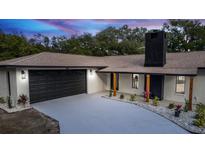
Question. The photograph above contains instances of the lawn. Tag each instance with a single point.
(28, 121)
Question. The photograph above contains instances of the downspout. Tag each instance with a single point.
(9, 90)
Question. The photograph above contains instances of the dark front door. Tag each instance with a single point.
(51, 84)
(156, 86)
(111, 81)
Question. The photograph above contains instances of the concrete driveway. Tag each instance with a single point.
(93, 114)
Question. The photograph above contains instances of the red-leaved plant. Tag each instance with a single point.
(178, 110)
(22, 99)
(178, 107)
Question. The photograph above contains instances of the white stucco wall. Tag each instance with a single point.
(96, 82)
(22, 84)
(3, 84)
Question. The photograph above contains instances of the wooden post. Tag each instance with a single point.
(114, 84)
(147, 87)
(191, 92)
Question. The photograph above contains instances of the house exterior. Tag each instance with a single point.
(45, 76)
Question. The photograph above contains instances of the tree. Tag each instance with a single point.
(185, 35)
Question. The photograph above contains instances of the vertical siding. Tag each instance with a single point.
(199, 87)
(170, 86)
(125, 84)
(3, 84)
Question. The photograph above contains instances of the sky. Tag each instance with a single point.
(68, 27)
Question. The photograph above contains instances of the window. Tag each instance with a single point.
(180, 84)
(135, 81)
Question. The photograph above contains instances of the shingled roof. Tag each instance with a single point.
(49, 59)
(177, 63)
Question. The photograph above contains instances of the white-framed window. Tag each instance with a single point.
(180, 84)
(135, 81)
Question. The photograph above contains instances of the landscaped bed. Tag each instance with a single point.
(29, 121)
(185, 119)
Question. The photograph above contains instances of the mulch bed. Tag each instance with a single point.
(29, 121)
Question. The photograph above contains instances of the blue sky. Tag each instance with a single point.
(68, 27)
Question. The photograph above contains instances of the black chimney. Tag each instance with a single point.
(155, 49)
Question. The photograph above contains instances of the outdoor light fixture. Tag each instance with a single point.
(23, 74)
(91, 71)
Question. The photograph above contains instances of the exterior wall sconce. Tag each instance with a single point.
(23, 74)
(91, 72)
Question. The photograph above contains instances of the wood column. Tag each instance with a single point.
(191, 82)
(114, 84)
(147, 87)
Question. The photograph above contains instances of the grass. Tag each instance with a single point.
(28, 121)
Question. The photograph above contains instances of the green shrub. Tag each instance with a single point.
(122, 96)
(156, 101)
(2, 100)
(9, 101)
(200, 115)
(199, 122)
(171, 105)
(186, 107)
(110, 93)
(133, 97)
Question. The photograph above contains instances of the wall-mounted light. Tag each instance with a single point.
(91, 72)
(23, 74)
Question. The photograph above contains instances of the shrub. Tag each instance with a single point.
(171, 105)
(156, 101)
(145, 96)
(22, 99)
(122, 96)
(9, 101)
(199, 122)
(110, 93)
(133, 97)
(200, 115)
(2, 100)
(186, 107)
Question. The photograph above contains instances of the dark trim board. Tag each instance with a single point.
(148, 73)
(64, 67)
(51, 84)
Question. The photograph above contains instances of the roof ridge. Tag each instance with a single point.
(35, 55)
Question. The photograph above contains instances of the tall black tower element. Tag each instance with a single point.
(155, 49)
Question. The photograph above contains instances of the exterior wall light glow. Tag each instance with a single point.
(23, 74)
(91, 72)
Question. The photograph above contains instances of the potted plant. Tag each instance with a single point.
(122, 96)
(23, 99)
(178, 110)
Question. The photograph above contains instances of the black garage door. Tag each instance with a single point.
(51, 84)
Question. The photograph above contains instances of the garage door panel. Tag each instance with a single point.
(50, 84)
